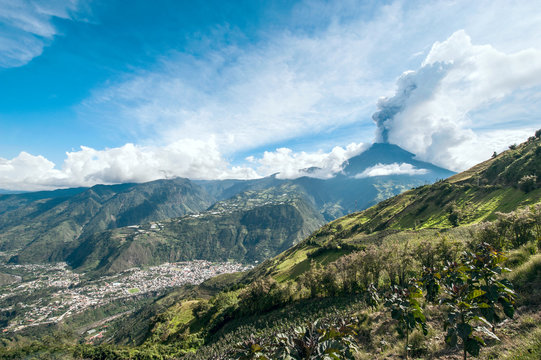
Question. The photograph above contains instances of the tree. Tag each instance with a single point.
(494, 233)
(406, 309)
(527, 183)
(373, 263)
(518, 225)
(535, 217)
(498, 293)
(399, 263)
(431, 283)
(471, 290)
(311, 279)
(371, 296)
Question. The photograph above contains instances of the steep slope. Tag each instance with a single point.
(418, 218)
(361, 185)
(501, 184)
(385, 153)
(251, 226)
(46, 226)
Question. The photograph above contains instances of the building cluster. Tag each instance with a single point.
(69, 293)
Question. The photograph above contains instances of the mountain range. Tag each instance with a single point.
(77, 225)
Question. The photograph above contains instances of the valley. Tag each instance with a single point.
(47, 294)
(269, 263)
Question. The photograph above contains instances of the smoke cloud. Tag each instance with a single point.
(432, 110)
(413, 87)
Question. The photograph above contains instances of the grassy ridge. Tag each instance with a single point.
(449, 210)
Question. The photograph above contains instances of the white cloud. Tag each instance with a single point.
(300, 83)
(246, 97)
(391, 169)
(184, 158)
(480, 146)
(430, 112)
(289, 165)
(129, 163)
(26, 28)
(28, 172)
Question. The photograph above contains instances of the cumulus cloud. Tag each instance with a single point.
(391, 169)
(289, 165)
(28, 172)
(26, 27)
(184, 158)
(430, 111)
(129, 163)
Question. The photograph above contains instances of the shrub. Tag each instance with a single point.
(472, 291)
(527, 183)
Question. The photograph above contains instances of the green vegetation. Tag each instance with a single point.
(249, 227)
(406, 309)
(46, 226)
(438, 254)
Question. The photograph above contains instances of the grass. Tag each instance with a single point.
(291, 265)
(133, 291)
(174, 320)
(527, 347)
(527, 281)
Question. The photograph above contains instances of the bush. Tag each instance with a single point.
(527, 183)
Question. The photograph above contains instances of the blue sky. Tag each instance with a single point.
(114, 91)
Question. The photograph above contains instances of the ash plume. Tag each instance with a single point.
(412, 87)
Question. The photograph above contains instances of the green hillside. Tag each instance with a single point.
(252, 226)
(328, 273)
(47, 226)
